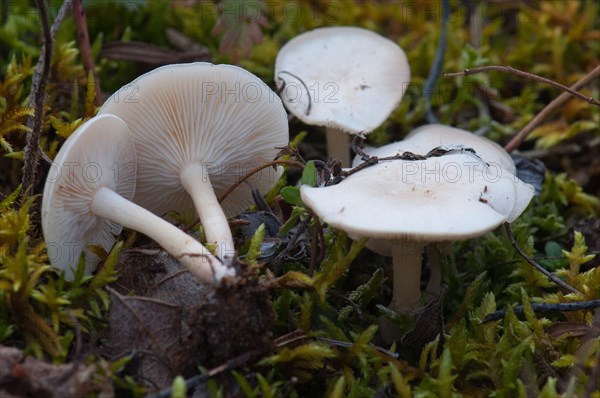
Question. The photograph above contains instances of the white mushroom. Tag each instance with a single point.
(405, 204)
(197, 128)
(87, 200)
(426, 138)
(347, 79)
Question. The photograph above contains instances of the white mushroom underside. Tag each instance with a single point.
(68, 224)
(445, 198)
(353, 77)
(220, 117)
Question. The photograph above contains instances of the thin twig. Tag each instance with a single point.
(38, 91)
(436, 68)
(85, 47)
(551, 107)
(37, 97)
(543, 308)
(562, 284)
(249, 174)
(347, 344)
(527, 75)
(369, 161)
(62, 14)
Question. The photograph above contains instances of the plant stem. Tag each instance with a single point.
(527, 75)
(38, 91)
(551, 107)
(249, 174)
(62, 13)
(546, 308)
(562, 284)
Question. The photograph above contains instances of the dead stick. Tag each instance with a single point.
(562, 284)
(527, 75)
(544, 308)
(556, 103)
(38, 91)
(62, 13)
(85, 48)
(249, 174)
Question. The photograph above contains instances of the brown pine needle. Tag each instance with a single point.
(551, 107)
(527, 75)
(249, 174)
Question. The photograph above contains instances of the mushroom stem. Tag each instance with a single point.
(196, 181)
(407, 260)
(435, 252)
(338, 145)
(192, 254)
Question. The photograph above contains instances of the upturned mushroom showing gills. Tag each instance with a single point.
(404, 204)
(87, 200)
(197, 128)
(346, 79)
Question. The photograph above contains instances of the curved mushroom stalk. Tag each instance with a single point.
(191, 253)
(196, 181)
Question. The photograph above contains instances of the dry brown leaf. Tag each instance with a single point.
(150, 54)
(150, 331)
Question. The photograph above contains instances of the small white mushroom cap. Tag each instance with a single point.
(220, 117)
(352, 78)
(437, 199)
(83, 165)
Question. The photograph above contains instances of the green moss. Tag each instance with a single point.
(335, 303)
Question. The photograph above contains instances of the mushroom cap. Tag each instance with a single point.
(425, 138)
(438, 199)
(220, 116)
(352, 78)
(100, 153)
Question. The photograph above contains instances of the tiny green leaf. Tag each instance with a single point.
(309, 174)
(291, 195)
